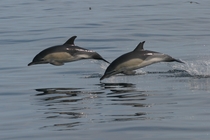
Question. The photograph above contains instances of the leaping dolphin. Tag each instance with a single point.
(136, 59)
(68, 52)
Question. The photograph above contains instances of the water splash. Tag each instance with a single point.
(140, 72)
(198, 68)
(103, 65)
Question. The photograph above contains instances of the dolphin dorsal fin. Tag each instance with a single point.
(140, 46)
(70, 41)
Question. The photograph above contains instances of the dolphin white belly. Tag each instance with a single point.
(155, 58)
(59, 56)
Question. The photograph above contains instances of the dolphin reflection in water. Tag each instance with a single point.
(68, 52)
(136, 59)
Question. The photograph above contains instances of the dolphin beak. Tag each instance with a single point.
(34, 63)
(104, 76)
(107, 75)
(31, 64)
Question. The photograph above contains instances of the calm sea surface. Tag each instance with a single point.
(165, 101)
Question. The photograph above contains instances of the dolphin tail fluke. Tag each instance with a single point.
(99, 57)
(105, 61)
(177, 60)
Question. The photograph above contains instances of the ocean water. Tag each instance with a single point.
(162, 101)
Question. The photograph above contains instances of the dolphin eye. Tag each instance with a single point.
(111, 72)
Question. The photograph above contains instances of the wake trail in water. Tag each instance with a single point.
(198, 68)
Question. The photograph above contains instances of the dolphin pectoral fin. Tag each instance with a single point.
(56, 63)
(129, 72)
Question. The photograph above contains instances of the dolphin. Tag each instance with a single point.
(136, 59)
(68, 52)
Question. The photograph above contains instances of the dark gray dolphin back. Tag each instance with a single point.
(136, 53)
(58, 48)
